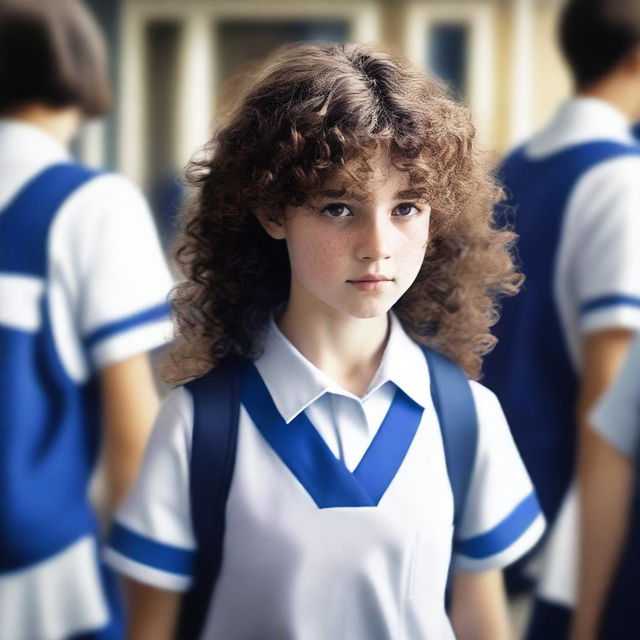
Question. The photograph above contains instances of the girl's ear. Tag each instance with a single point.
(275, 229)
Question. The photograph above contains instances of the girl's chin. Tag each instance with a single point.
(368, 311)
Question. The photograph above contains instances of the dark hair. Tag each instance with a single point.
(310, 111)
(596, 35)
(52, 52)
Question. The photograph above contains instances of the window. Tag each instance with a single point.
(447, 55)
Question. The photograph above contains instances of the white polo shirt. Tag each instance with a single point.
(293, 570)
(107, 287)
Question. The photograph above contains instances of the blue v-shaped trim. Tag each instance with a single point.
(303, 450)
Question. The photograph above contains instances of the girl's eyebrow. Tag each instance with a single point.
(410, 194)
(407, 194)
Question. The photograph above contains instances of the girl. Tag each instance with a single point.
(83, 288)
(342, 219)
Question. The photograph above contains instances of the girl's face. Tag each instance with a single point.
(356, 253)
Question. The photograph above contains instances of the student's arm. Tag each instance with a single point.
(605, 498)
(153, 612)
(604, 484)
(130, 404)
(479, 606)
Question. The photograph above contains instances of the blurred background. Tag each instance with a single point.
(171, 59)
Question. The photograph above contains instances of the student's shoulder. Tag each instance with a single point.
(492, 423)
(109, 191)
(616, 177)
(606, 196)
(106, 207)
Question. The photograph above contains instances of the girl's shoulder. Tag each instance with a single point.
(174, 422)
(486, 400)
(493, 429)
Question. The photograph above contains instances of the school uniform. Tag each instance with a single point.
(616, 418)
(83, 284)
(295, 565)
(574, 200)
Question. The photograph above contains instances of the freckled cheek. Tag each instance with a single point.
(411, 254)
(315, 258)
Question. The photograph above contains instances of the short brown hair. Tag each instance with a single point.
(52, 52)
(596, 35)
(310, 112)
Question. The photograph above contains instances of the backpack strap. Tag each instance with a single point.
(216, 407)
(456, 409)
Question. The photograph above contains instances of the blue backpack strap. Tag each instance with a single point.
(216, 409)
(456, 411)
(27, 218)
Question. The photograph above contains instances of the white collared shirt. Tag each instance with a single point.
(293, 570)
(330, 407)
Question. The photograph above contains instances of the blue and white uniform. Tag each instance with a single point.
(293, 569)
(576, 192)
(86, 288)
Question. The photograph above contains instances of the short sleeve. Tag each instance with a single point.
(604, 235)
(152, 538)
(617, 416)
(123, 279)
(502, 518)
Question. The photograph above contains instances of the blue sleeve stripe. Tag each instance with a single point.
(609, 301)
(160, 556)
(503, 535)
(148, 315)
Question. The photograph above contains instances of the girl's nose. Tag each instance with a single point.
(374, 240)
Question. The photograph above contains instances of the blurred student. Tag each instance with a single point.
(609, 582)
(82, 300)
(575, 190)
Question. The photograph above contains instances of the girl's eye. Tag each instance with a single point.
(336, 211)
(405, 210)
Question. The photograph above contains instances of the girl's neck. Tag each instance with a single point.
(346, 349)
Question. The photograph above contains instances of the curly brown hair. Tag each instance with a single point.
(312, 110)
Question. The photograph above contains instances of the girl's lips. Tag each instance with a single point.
(371, 283)
(372, 279)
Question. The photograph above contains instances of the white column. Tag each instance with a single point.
(481, 63)
(522, 46)
(195, 85)
(365, 24)
(133, 96)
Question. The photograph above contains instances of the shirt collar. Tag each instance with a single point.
(25, 151)
(579, 120)
(28, 143)
(294, 382)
